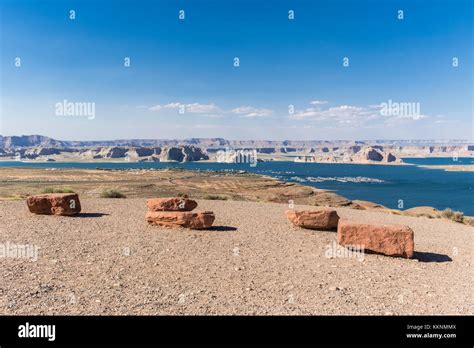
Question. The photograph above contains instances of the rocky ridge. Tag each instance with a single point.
(37, 147)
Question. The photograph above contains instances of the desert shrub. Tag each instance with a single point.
(429, 216)
(469, 220)
(112, 194)
(447, 213)
(216, 197)
(456, 216)
(57, 190)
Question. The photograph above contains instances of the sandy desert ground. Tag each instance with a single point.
(109, 261)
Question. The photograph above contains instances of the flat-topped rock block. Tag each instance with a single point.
(193, 220)
(318, 219)
(391, 240)
(54, 204)
(171, 204)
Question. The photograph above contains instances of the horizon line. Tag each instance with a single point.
(273, 140)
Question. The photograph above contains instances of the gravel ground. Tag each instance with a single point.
(253, 262)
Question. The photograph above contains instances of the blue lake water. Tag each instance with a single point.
(440, 161)
(386, 185)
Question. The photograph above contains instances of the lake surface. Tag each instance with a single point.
(440, 161)
(388, 185)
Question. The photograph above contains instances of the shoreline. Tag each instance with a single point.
(447, 168)
(105, 161)
(261, 158)
(198, 162)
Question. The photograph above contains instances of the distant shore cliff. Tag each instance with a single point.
(38, 147)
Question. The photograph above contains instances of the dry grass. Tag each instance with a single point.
(216, 198)
(112, 194)
(57, 190)
(469, 220)
(456, 216)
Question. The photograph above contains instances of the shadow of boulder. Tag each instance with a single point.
(90, 215)
(431, 257)
(222, 228)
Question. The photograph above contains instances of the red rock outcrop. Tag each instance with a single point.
(391, 240)
(176, 212)
(171, 204)
(54, 204)
(193, 220)
(321, 219)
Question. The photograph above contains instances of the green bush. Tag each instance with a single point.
(112, 194)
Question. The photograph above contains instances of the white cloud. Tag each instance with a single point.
(155, 108)
(414, 117)
(202, 108)
(214, 111)
(342, 113)
(250, 111)
(172, 105)
(194, 108)
(351, 115)
(319, 102)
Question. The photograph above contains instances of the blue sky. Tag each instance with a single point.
(189, 65)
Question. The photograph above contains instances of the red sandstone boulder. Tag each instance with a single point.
(391, 240)
(195, 221)
(321, 219)
(54, 204)
(171, 204)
